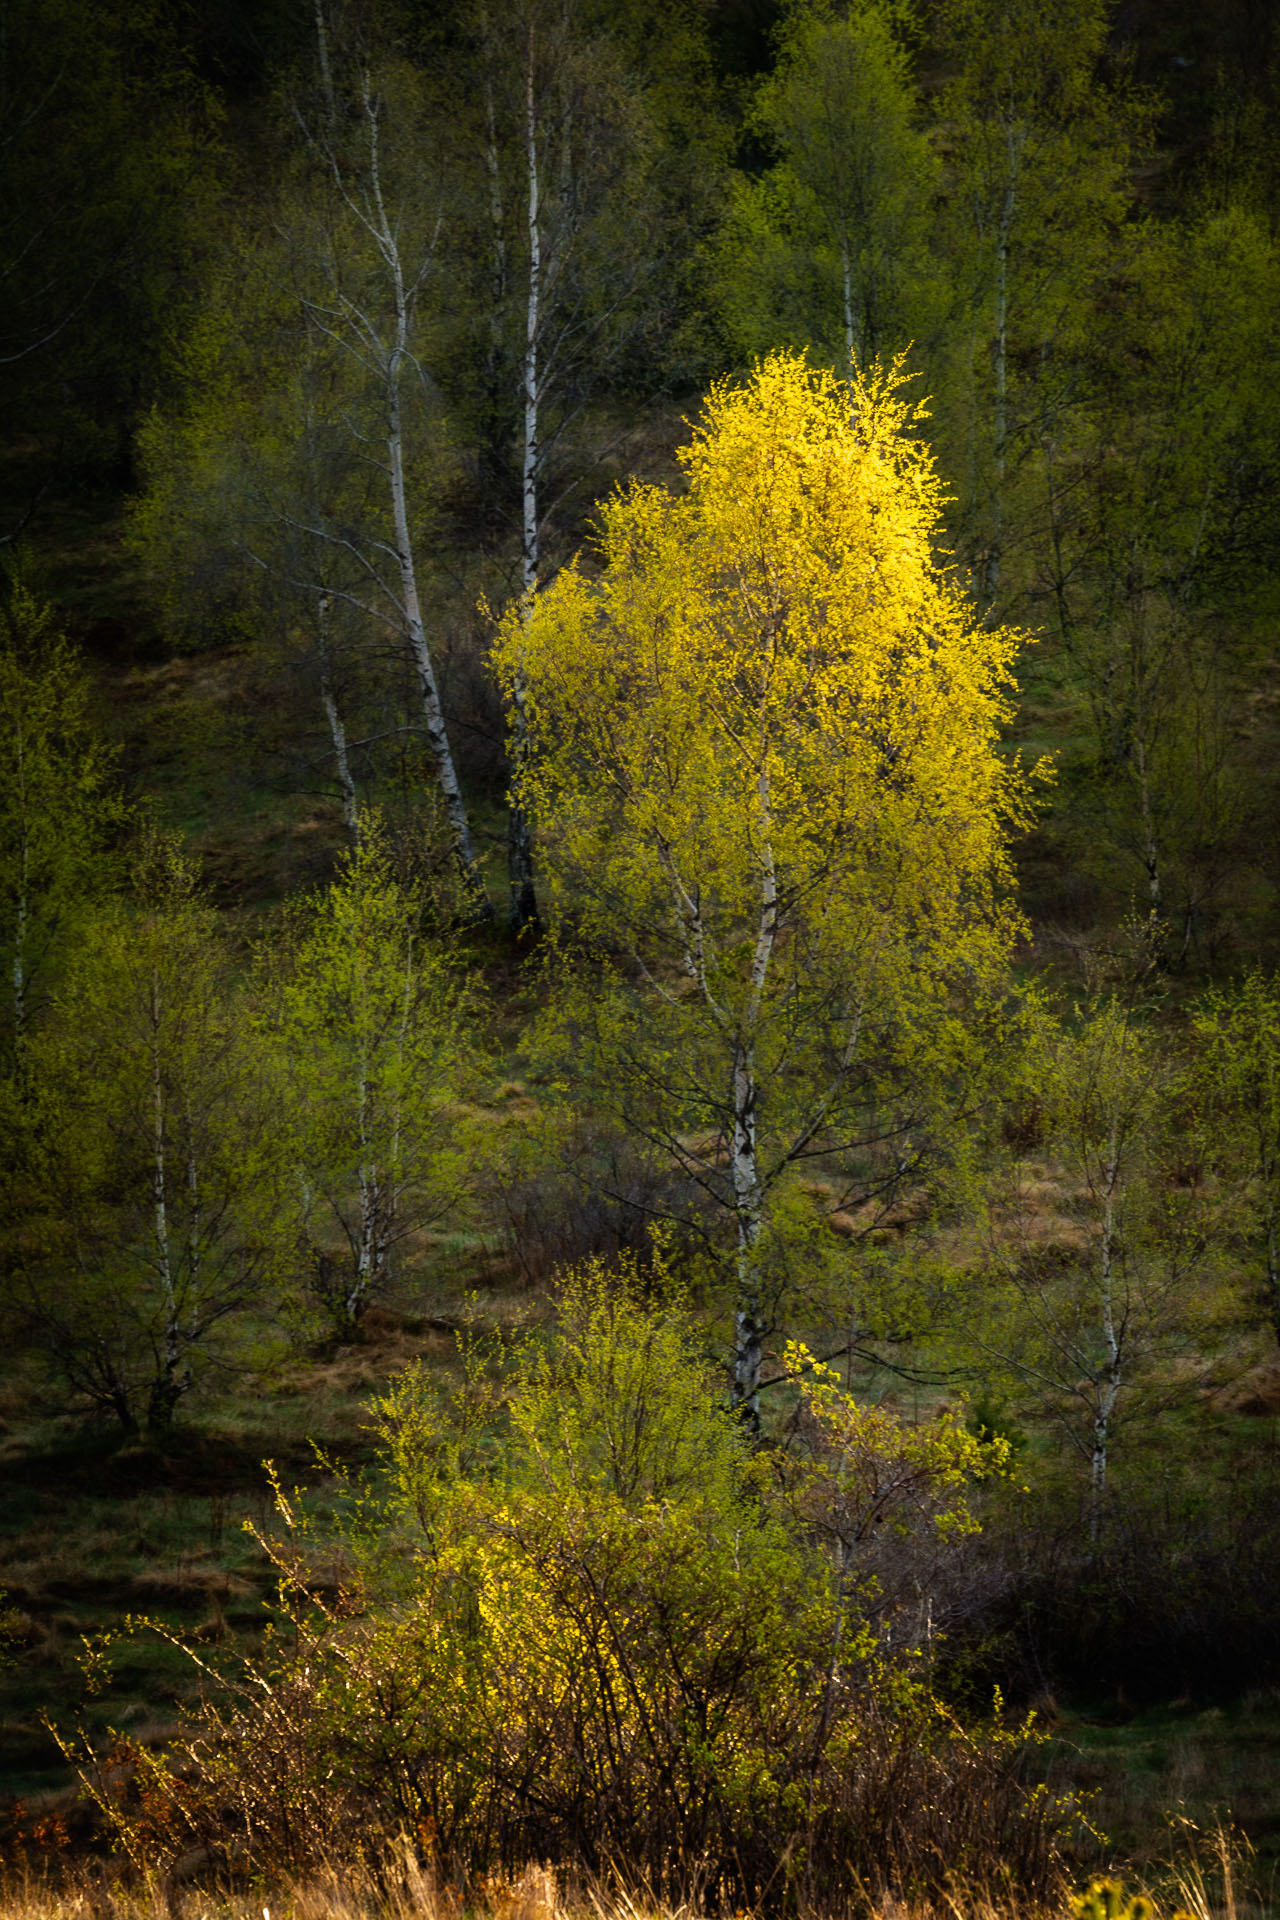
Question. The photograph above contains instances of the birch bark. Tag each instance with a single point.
(524, 904)
(1112, 1335)
(397, 357)
(383, 344)
(337, 731)
(748, 1187)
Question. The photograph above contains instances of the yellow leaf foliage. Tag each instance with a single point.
(772, 687)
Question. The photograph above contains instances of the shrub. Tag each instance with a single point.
(590, 1625)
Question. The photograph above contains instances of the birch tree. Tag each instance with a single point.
(370, 1028)
(146, 1176)
(764, 774)
(568, 229)
(1150, 508)
(312, 428)
(58, 810)
(1038, 153)
(1239, 1034)
(829, 245)
(1108, 1301)
(364, 272)
(254, 513)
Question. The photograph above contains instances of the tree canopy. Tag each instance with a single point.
(763, 767)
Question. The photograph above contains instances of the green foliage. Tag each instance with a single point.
(618, 1650)
(108, 140)
(146, 1164)
(59, 811)
(827, 248)
(1038, 151)
(881, 1471)
(1111, 1900)
(369, 1022)
(1239, 1034)
(1149, 499)
(1107, 1286)
(770, 809)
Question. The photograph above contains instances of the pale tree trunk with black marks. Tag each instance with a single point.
(382, 344)
(748, 1198)
(524, 904)
(846, 288)
(748, 1187)
(337, 730)
(1113, 1328)
(370, 1248)
(397, 359)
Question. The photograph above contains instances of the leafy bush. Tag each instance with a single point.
(583, 1621)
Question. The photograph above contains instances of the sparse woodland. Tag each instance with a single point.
(639, 918)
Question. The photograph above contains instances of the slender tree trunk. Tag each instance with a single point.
(1150, 846)
(166, 1388)
(748, 1319)
(194, 1219)
(495, 443)
(20, 934)
(1141, 723)
(846, 279)
(477, 902)
(370, 1200)
(337, 731)
(995, 549)
(748, 1188)
(524, 904)
(1110, 1381)
(326, 71)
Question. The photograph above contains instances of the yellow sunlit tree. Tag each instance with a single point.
(763, 766)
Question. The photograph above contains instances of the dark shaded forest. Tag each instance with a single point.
(639, 905)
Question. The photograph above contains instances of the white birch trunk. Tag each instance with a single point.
(1150, 846)
(524, 905)
(337, 731)
(1112, 1334)
(748, 1188)
(366, 1244)
(748, 1200)
(995, 550)
(396, 358)
(326, 71)
(846, 274)
(433, 712)
(195, 1212)
(533, 317)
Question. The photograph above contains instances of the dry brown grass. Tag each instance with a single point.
(405, 1890)
(1204, 1873)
